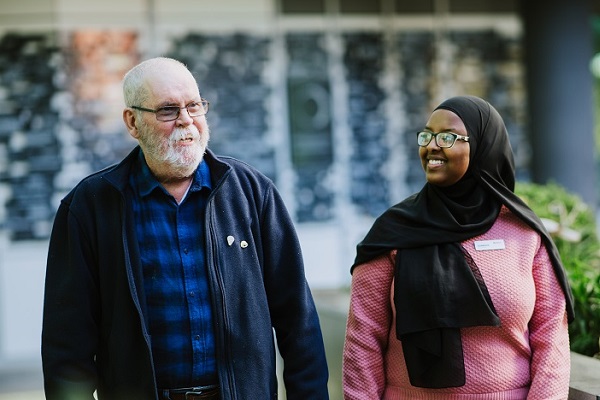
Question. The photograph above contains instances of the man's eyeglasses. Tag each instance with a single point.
(442, 139)
(171, 113)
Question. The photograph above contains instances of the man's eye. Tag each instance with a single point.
(167, 110)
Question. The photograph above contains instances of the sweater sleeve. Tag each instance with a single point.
(549, 337)
(367, 330)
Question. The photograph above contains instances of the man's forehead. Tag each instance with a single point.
(175, 84)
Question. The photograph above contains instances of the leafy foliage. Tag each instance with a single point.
(572, 225)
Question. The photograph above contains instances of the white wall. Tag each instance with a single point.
(22, 274)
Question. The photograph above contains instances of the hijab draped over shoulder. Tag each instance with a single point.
(437, 286)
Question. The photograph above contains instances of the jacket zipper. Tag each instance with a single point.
(133, 291)
(212, 263)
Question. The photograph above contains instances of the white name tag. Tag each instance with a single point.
(496, 244)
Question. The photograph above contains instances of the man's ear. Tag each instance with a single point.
(129, 119)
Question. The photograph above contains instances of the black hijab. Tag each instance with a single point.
(438, 288)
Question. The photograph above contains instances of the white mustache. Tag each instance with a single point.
(184, 133)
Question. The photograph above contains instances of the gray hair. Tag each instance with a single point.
(135, 92)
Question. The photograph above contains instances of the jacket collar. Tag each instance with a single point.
(145, 182)
(118, 174)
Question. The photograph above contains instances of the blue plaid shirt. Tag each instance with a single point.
(171, 243)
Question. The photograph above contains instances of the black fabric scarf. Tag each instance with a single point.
(438, 288)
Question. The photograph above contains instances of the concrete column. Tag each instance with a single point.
(558, 50)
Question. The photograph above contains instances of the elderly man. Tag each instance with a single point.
(170, 275)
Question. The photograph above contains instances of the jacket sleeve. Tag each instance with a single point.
(293, 313)
(549, 337)
(368, 329)
(69, 331)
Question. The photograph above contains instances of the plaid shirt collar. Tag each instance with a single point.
(146, 182)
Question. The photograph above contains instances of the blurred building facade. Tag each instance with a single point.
(323, 96)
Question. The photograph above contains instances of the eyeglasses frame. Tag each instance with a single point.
(205, 104)
(434, 136)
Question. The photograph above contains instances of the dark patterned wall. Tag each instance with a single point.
(29, 149)
(490, 65)
(58, 120)
(60, 109)
(363, 60)
(309, 108)
(229, 70)
(415, 51)
(95, 63)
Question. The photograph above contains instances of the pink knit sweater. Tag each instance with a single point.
(527, 357)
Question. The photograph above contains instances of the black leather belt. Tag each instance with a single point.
(200, 392)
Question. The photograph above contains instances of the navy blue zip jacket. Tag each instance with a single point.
(95, 331)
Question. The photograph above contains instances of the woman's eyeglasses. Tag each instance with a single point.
(442, 139)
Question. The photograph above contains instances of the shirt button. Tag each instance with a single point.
(185, 251)
(197, 337)
(192, 294)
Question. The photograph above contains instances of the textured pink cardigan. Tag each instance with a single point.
(527, 357)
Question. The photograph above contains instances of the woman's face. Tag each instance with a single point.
(445, 166)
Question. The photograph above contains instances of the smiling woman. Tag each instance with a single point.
(429, 315)
(444, 160)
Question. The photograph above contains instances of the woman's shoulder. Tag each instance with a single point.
(508, 227)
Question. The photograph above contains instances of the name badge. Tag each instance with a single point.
(496, 244)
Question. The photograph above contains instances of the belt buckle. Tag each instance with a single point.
(198, 392)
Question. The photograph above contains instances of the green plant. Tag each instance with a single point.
(572, 225)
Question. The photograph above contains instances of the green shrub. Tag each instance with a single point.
(572, 225)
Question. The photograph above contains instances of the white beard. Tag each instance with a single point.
(175, 161)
